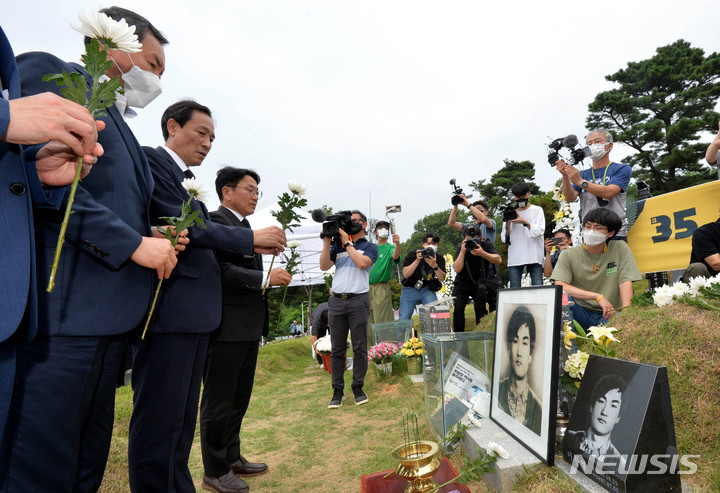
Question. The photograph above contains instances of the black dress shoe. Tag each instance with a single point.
(244, 468)
(228, 483)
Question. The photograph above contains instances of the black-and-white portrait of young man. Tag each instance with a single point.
(515, 394)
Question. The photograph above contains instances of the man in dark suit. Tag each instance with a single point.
(30, 120)
(62, 409)
(233, 350)
(168, 363)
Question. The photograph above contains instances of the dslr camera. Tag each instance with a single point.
(331, 225)
(456, 193)
(577, 154)
(427, 253)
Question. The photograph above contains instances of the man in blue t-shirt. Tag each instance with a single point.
(349, 305)
(603, 185)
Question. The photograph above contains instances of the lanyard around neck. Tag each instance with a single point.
(592, 170)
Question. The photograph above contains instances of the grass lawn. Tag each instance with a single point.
(310, 448)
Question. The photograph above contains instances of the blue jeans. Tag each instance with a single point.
(585, 317)
(535, 271)
(410, 297)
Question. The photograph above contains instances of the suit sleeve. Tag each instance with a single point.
(93, 228)
(235, 275)
(167, 200)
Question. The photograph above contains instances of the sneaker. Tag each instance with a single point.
(360, 396)
(337, 399)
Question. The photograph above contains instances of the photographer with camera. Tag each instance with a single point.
(381, 306)
(561, 241)
(423, 273)
(603, 185)
(349, 304)
(473, 259)
(479, 209)
(523, 230)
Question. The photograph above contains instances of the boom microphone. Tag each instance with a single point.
(570, 141)
(318, 215)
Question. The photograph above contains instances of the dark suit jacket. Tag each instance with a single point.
(98, 291)
(245, 309)
(191, 300)
(20, 189)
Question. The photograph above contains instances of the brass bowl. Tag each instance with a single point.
(417, 463)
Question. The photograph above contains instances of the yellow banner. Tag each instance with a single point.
(661, 237)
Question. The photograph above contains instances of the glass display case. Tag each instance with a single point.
(457, 370)
(397, 331)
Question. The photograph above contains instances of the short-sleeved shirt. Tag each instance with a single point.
(423, 271)
(600, 273)
(381, 269)
(476, 269)
(612, 174)
(706, 242)
(349, 278)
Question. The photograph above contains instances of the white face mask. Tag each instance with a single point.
(140, 86)
(382, 233)
(593, 238)
(432, 247)
(598, 151)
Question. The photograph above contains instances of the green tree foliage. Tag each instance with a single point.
(436, 223)
(659, 109)
(497, 191)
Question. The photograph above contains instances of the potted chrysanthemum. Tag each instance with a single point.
(413, 351)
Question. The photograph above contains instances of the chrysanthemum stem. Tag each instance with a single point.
(152, 309)
(63, 226)
(268, 278)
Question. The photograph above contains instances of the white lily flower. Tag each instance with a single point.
(113, 34)
(498, 450)
(297, 188)
(293, 244)
(195, 188)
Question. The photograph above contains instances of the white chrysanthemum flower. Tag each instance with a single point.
(293, 244)
(297, 188)
(195, 188)
(323, 345)
(695, 284)
(663, 296)
(712, 280)
(113, 34)
(497, 449)
(679, 289)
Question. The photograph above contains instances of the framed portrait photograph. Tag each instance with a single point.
(525, 366)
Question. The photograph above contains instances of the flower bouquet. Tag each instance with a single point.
(595, 340)
(382, 355)
(413, 351)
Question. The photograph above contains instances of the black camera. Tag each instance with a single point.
(331, 225)
(455, 199)
(427, 253)
(509, 211)
(577, 154)
(472, 243)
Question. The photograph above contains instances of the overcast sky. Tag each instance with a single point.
(375, 103)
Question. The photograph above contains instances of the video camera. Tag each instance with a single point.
(509, 211)
(577, 154)
(331, 225)
(456, 193)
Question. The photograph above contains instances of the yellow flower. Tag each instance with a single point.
(418, 352)
(569, 336)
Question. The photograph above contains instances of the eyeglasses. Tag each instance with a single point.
(597, 227)
(357, 221)
(252, 191)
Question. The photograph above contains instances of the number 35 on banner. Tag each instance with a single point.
(661, 236)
